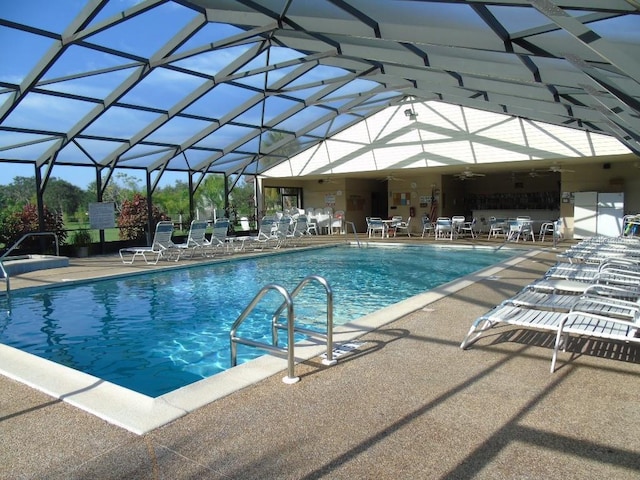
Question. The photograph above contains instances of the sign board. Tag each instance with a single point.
(102, 215)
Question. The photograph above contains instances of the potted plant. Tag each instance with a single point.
(81, 239)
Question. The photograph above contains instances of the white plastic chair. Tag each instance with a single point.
(427, 227)
(444, 228)
(496, 227)
(375, 224)
(337, 223)
(403, 227)
(468, 227)
(457, 221)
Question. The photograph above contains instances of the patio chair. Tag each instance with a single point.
(161, 247)
(337, 223)
(375, 224)
(403, 227)
(468, 228)
(427, 227)
(443, 228)
(457, 221)
(547, 228)
(497, 227)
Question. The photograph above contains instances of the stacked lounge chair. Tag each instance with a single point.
(598, 301)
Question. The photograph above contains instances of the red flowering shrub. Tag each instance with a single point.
(133, 218)
(16, 224)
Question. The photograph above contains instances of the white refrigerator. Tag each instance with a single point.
(597, 214)
(610, 214)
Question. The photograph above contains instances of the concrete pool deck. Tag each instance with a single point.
(409, 403)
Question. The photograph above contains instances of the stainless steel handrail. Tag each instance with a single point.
(355, 233)
(234, 339)
(15, 245)
(275, 325)
(33, 234)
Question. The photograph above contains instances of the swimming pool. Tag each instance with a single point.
(157, 332)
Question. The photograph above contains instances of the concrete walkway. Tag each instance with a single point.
(409, 404)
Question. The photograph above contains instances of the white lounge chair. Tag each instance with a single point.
(161, 247)
(300, 227)
(590, 301)
(604, 327)
(220, 239)
(510, 314)
(266, 237)
(196, 239)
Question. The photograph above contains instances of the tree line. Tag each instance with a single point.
(69, 203)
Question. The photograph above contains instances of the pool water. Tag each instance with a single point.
(157, 332)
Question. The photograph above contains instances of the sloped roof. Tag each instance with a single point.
(448, 138)
(238, 86)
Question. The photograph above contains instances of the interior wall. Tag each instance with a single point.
(601, 177)
(417, 188)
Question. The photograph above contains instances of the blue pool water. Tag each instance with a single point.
(157, 332)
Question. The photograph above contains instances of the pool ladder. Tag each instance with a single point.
(289, 326)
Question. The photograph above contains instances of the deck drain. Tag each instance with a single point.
(343, 349)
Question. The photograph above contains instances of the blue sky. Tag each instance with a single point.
(94, 63)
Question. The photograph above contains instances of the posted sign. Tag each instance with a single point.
(102, 215)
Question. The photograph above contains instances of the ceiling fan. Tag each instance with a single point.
(467, 174)
(537, 173)
(327, 180)
(391, 178)
(559, 169)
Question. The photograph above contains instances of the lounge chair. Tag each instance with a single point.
(220, 235)
(196, 239)
(592, 301)
(300, 228)
(561, 285)
(283, 232)
(621, 319)
(510, 314)
(266, 237)
(584, 275)
(161, 247)
(605, 327)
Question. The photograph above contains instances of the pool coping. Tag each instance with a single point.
(140, 414)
